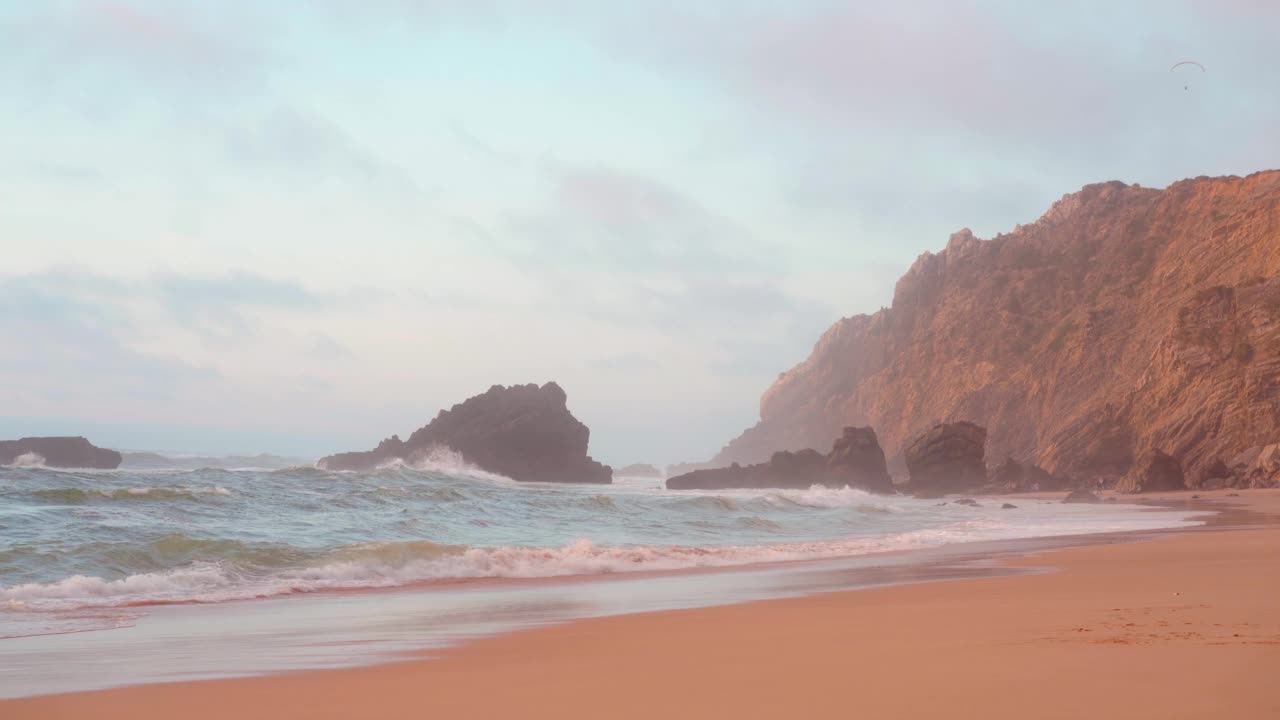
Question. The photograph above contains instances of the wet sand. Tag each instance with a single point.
(1185, 625)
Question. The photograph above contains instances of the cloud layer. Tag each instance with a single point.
(327, 220)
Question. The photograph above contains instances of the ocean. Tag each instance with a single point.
(89, 550)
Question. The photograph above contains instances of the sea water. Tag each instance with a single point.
(76, 545)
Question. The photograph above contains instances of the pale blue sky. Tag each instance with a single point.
(304, 226)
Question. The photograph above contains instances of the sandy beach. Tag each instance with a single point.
(1181, 626)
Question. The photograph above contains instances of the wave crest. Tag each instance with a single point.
(80, 495)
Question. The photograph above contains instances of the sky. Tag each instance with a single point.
(301, 227)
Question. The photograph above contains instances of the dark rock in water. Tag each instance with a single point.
(1013, 476)
(1154, 472)
(638, 470)
(1233, 494)
(60, 452)
(1081, 496)
(1195, 497)
(524, 432)
(967, 501)
(856, 460)
(784, 470)
(1008, 506)
(947, 458)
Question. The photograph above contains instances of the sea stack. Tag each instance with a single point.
(947, 458)
(524, 432)
(58, 452)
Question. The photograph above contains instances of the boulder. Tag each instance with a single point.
(524, 432)
(947, 458)
(1008, 506)
(1081, 496)
(1154, 472)
(1256, 467)
(59, 452)
(855, 460)
(1013, 476)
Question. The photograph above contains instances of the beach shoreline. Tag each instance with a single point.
(1124, 624)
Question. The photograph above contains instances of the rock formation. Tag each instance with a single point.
(949, 457)
(59, 452)
(1013, 476)
(1081, 496)
(855, 460)
(1156, 471)
(1255, 467)
(524, 432)
(1124, 319)
(638, 470)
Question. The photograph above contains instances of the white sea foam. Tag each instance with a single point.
(388, 564)
(446, 461)
(29, 460)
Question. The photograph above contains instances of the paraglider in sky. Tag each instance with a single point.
(1186, 64)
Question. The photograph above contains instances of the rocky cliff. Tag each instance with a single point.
(60, 452)
(524, 432)
(1125, 320)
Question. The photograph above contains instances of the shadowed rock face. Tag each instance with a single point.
(1013, 476)
(61, 452)
(524, 432)
(856, 460)
(1081, 496)
(948, 458)
(1155, 472)
(1124, 319)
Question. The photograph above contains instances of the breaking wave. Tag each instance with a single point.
(79, 495)
(245, 572)
(126, 538)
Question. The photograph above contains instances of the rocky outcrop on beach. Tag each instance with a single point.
(1154, 472)
(58, 452)
(524, 432)
(947, 458)
(1013, 476)
(638, 470)
(1081, 496)
(855, 460)
(1124, 319)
